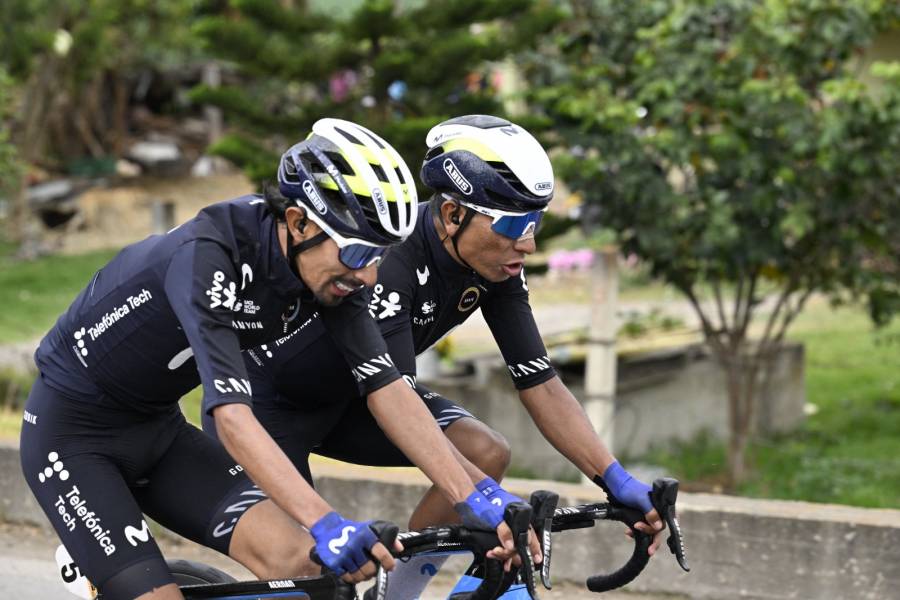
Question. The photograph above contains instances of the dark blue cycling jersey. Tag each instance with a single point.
(175, 310)
(421, 295)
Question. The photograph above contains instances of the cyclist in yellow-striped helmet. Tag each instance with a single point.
(354, 186)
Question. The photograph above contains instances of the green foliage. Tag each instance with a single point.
(731, 143)
(35, 293)
(847, 451)
(10, 169)
(297, 65)
(723, 139)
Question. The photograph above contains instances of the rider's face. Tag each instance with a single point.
(493, 256)
(323, 272)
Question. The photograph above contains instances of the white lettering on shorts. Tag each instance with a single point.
(87, 517)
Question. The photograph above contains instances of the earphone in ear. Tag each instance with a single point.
(454, 219)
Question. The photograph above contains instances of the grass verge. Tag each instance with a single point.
(35, 293)
(848, 451)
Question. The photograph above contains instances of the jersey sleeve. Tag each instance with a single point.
(200, 285)
(360, 341)
(509, 316)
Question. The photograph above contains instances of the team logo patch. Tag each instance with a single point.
(313, 194)
(456, 177)
(378, 199)
(468, 299)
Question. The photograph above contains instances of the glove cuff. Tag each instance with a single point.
(487, 486)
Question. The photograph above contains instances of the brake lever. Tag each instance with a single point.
(387, 534)
(518, 516)
(663, 497)
(543, 506)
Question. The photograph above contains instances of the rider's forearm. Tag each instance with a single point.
(562, 420)
(475, 474)
(406, 421)
(267, 465)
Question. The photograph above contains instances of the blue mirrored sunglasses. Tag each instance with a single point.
(517, 226)
(359, 256)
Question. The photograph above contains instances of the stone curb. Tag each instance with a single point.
(737, 547)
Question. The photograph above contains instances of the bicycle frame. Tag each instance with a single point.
(543, 515)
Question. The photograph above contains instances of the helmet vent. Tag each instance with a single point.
(353, 139)
(510, 178)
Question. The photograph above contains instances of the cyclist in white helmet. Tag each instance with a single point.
(492, 182)
(104, 441)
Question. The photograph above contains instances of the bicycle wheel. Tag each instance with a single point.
(189, 572)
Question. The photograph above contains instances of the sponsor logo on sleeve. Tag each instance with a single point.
(519, 370)
(232, 385)
(225, 293)
(469, 299)
(384, 308)
(372, 367)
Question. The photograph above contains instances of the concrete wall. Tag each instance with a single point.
(737, 548)
(661, 397)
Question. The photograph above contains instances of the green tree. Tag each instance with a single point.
(396, 69)
(74, 64)
(731, 146)
(10, 169)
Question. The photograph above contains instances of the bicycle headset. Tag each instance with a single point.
(354, 186)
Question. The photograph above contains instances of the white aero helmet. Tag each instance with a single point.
(489, 162)
(353, 184)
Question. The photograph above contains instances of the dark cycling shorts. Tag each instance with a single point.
(344, 430)
(94, 472)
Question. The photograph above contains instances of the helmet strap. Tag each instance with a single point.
(467, 218)
(293, 250)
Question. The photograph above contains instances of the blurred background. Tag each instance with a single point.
(719, 273)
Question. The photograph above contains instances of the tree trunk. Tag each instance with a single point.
(740, 376)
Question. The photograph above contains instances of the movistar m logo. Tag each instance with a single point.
(134, 535)
(456, 177)
(336, 545)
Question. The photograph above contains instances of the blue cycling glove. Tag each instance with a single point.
(496, 494)
(342, 544)
(625, 489)
(477, 512)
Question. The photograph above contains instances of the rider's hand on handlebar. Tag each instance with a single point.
(348, 547)
(479, 512)
(507, 552)
(625, 490)
(501, 498)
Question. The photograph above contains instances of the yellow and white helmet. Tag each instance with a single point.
(352, 183)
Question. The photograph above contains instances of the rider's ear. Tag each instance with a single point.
(296, 221)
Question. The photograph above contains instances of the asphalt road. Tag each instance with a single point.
(28, 569)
